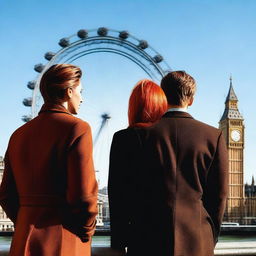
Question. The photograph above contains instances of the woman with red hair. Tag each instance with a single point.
(147, 104)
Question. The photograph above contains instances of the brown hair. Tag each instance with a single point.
(147, 104)
(178, 87)
(57, 79)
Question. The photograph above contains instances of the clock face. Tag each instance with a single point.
(235, 135)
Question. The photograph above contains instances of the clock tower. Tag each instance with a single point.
(231, 124)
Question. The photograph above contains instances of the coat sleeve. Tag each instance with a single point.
(9, 198)
(121, 186)
(216, 191)
(82, 187)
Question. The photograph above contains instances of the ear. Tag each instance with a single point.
(69, 93)
(191, 100)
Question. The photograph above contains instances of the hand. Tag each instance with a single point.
(84, 238)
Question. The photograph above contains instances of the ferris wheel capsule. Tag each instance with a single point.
(124, 34)
(82, 33)
(143, 44)
(27, 102)
(31, 85)
(39, 67)
(26, 119)
(102, 31)
(64, 42)
(158, 58)
(49, 55)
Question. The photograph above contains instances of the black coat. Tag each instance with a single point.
(178, 171)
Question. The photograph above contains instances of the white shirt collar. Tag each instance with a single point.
(177, 109)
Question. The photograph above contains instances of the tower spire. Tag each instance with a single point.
(231, 110)
(231, 93)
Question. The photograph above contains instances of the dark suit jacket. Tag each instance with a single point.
(121, 184)
(181, 187)
(49, 188)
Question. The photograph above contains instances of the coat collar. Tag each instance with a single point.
(53, 107)
(175, 114)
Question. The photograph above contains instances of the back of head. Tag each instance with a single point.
(147, 103)
(57, 79)
(179, 87)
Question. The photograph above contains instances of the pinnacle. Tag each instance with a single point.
(231, 93)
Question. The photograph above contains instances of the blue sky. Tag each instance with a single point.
(208, 39)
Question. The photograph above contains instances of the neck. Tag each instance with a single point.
(176, 106)
(64, 104)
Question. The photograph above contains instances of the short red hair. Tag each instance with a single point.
(147, 104)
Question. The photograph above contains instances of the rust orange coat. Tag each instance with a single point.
(49, 188)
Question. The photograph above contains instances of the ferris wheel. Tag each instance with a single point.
(86, 42)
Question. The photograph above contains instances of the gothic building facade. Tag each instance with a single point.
(250, 202)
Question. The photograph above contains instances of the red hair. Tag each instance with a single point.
(147, 104)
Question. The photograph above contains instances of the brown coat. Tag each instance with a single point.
(179, 189)
(49, 188)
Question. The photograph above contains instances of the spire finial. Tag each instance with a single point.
(231, 93)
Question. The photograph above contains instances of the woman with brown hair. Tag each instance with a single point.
(147, 104)
(49, 188)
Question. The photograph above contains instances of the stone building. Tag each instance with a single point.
(103, 196)
(250, 190)
(250, 202)
(5, 223)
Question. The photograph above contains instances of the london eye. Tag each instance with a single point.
(81, 45)
(86, 42)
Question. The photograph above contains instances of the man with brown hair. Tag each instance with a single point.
(179, 88)
(182, 183)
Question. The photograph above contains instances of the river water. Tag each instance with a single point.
(104, 241)
(98, 241)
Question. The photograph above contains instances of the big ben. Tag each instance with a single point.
(231, 123)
